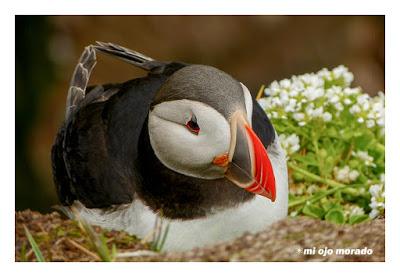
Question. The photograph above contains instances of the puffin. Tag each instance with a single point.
(186, 145)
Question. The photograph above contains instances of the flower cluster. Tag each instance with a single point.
(365, 158)
(377, 204)
(345, 174)
(340, 131)
(325, 95)
(290, 144)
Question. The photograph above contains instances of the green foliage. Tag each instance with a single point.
(333, 136)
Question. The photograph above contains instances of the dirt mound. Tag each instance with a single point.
(291, 239)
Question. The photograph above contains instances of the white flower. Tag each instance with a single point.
(293, 214)
(290, 144)
(373, 214)
(318, 112)
(375, 204)
(333, 91)
(378, 107)
(367, 159)
(325, 73)
(310, 109)
(334, 99)
(370, 115)
(355, 210)
(377, 200)
(315, 81)
(310, 93)
(298, 116)
(355, 109)
(339, 71)
(381, 122)
(274, 87)
(362, 99)
(302, 123)
(327, 116)
(275, 101)
(347, 101)
(284, 97)
(339, 106)
(351, 91)
(365, 106)
(342, 174)
(342, 71)
(353, 175)
(345, 175)
(375, 190)
(370, 123)
(285, 83)
(290, 107)
(360, 120)
(297, 85)
(311, 189)
(293, 92)
(267, 92)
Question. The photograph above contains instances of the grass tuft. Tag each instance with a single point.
(98, 242)
(160, 235)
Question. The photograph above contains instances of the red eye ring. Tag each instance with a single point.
(192, 125)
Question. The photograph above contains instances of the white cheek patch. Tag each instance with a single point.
(248, 102)
(181, 150)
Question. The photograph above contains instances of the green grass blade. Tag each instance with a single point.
(35, 247)
(164, 238)
(23, 256)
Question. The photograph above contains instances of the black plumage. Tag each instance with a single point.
(102, 155)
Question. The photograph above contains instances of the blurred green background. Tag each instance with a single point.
(254, 49)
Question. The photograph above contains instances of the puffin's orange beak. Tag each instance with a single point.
(248, 163)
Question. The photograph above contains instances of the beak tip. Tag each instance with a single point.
(270, 196)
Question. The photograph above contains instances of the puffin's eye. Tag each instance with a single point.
(192, 125)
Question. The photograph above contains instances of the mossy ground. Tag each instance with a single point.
(61, 239)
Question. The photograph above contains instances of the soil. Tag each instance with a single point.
(61, 239)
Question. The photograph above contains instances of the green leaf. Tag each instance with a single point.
(330, 206)
(313, 211)
(335, 216)
(354, 219)
(309, 159)
(35, 247)
(364, 141)
(332, 132)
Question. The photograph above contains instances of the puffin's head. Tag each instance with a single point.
(200, 126)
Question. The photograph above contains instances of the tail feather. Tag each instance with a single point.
(80, 79)
(87, 61)
(127, 55)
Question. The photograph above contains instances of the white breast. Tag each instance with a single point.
(252, 216)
